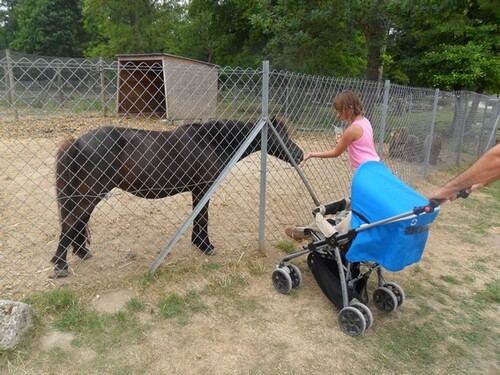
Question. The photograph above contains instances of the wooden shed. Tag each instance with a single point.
(167, 86)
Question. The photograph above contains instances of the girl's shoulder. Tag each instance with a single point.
(362, 122)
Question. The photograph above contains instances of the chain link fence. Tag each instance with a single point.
(44, 101)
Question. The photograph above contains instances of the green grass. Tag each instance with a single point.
(491, 294)
(55, 301)
(286, 246)
(424, 337)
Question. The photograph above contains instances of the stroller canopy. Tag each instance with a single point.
(377, 194)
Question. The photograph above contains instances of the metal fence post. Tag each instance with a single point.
(495, 116)
(207, 196)
(463, 121)
(431, 133)
(10, 85)
(263, 154)
(383, 120)
(103, 86)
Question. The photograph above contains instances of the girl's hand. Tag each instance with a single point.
(306, 158)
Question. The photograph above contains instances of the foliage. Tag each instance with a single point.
(120, 27)
(49, 27)
(8, 22)
(449, 44)
(315, 37)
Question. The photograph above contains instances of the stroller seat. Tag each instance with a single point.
(388, 228)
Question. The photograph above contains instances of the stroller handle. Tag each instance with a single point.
(434, 203)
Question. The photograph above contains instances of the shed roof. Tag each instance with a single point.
(159, 56)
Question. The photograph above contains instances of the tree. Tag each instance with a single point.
(371, 18)
(140, 26)
(49, 27)
(452, 45)
(8, 22)
(222, 32)
(315, 37)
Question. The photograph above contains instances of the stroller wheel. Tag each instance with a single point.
(385, 300)
(351, 321)
(367, 314)
(295, 275)
(398, 291)
(282, 281)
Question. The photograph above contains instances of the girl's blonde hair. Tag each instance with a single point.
(349, 103)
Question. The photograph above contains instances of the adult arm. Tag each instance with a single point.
(484, 171)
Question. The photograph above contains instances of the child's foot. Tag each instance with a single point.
(296, 234)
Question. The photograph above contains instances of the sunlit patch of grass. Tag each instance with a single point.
(469, 278)
(135, 305)
(194, 302)
(491, 293)
(479, 266)
(454, 349)
(248, 305)
(172, 307)
(286, 246)
(54, 301)
(148, 278)
(450, 279)
(212, 266)
(258, 269)
(100, 331)
(178, 308)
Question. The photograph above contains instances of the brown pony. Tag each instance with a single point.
(148, 164)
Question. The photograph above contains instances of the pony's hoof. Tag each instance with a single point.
(87, 256)
(83, 254)
(209, 252)
(58, 274)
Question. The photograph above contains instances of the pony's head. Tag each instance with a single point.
(275, 147)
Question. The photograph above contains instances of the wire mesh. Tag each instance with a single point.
(46, 100)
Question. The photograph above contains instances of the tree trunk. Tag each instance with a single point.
(374, 26)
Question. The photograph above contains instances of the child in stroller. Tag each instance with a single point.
(388, 229)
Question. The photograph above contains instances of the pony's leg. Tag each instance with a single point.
(70, 234)
(80, 238)
(199, 236)
(59, 259)
(67, 208)
(73, 232)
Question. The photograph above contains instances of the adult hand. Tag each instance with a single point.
(475, 187)
(445, 195)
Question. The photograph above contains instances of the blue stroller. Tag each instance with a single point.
(388, 229)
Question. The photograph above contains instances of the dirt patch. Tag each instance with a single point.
(56, 339)
(113, 301)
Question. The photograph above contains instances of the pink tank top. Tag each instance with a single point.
(363, 149)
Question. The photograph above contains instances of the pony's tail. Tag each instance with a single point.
(65, 176)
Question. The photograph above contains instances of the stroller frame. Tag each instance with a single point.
(354, 317)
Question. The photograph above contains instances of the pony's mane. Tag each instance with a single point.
(215, 129)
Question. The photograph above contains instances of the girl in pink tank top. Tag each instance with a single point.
(357, 138)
